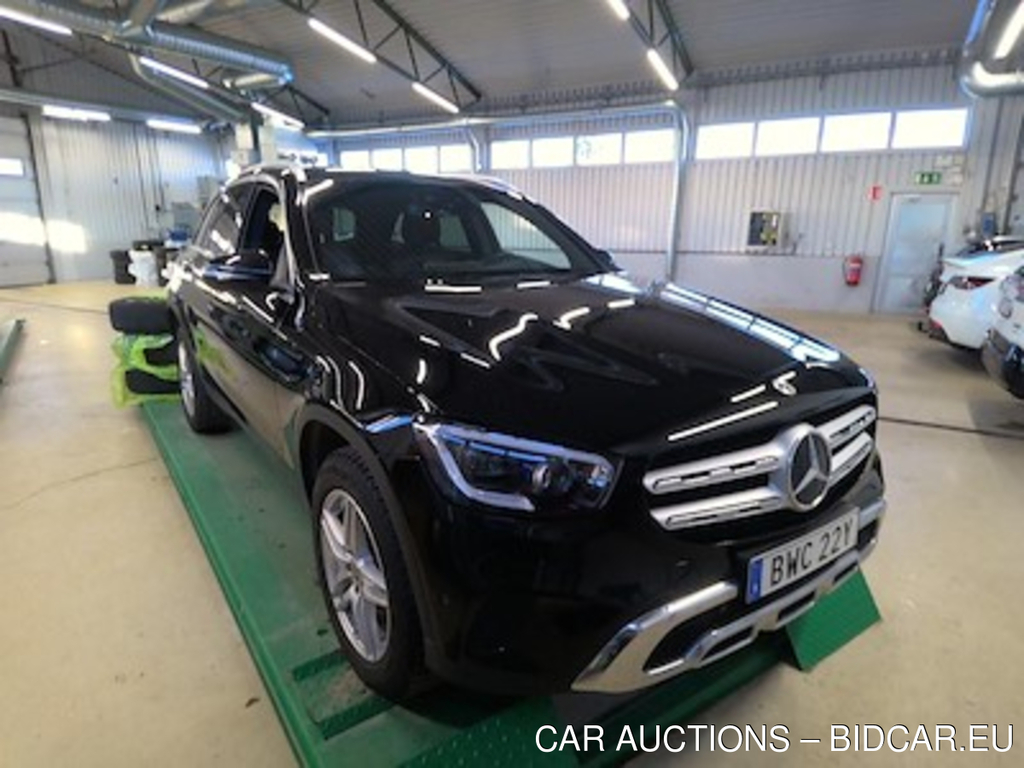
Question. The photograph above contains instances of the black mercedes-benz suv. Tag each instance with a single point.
(527, 472)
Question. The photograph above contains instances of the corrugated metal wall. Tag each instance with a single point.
(625, 209)
(105, 185)
(22, 251)
(826, 197)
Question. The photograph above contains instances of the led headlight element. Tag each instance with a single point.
(514, 473)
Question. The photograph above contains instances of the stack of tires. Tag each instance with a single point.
(145, 351)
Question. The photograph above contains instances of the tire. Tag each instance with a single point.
(371, 605)
(141, 317)
(201, 412)
(160, 356)
(143, 383)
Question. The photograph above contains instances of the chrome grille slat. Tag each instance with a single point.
(848, 442)
(714, 471)
(844, 428)
(851, 455)
(733, 506)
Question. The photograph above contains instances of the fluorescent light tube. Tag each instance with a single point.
(32, 21)
(1011, 34)
(72, 113)
(341, 40)
(437, 98)
(174, 126)
(659, 66)
(279, 118)
(174, 72)
(620, 8)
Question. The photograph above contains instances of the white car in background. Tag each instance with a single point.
(1003, 352)
(966, 305)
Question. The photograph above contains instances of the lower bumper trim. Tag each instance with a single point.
(620, 666)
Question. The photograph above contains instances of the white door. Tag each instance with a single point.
(918, 234)
(22, 235)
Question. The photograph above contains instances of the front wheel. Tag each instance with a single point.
(201, 412)
(364, 579)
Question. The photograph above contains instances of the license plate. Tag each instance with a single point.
(777, 568)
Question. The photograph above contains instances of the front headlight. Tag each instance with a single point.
(513, 473)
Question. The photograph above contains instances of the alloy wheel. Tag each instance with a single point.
(354, 575)
(186, 379)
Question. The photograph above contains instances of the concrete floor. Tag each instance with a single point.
(117, 649)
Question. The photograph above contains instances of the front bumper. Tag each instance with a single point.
(527, 606)
(1005, 363)
(624, 663)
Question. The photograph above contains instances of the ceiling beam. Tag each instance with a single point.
(657, 28)
(415, 59)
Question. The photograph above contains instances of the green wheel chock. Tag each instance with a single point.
(10, 331)
(837, 618)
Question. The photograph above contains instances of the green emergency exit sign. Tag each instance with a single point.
(928, 177)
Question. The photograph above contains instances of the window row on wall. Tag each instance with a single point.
(857, 132)
(614, 148)
(446, 158)
(11, 166)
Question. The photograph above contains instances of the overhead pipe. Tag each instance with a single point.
(186, 41)
(141, 15)
(184, 12)
(200, 101)
(251, 81)
(662, 106)
(976, 75)
(26, 98)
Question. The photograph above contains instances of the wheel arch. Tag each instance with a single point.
(319, 431)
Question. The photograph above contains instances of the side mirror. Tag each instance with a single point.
(606, 260)
(253, 266)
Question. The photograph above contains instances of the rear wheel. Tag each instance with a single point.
(364, 579)
(201, 412)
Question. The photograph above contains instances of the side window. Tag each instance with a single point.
(218, 235)
(264, 227)
(518, 236)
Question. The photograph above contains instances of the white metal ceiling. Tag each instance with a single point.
(531, 52)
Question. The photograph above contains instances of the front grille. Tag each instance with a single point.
(753, 481)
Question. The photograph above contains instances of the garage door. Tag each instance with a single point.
(22, 236)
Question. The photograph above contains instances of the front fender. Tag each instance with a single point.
(355, 436)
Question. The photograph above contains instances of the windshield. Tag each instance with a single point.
(405, 230)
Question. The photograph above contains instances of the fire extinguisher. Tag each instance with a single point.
(853, 267)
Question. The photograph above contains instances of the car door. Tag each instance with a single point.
(262, 323)
(213, 302)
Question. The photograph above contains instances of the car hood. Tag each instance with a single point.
(594, 363)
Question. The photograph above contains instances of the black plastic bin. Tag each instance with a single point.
(121, 260)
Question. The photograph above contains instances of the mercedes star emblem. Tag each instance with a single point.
(809, 469)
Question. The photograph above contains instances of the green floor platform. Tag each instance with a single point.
(258, 537)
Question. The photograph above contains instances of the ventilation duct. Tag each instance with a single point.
(143, 28)
(184, 12)
(981, 74)
(200, 101)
